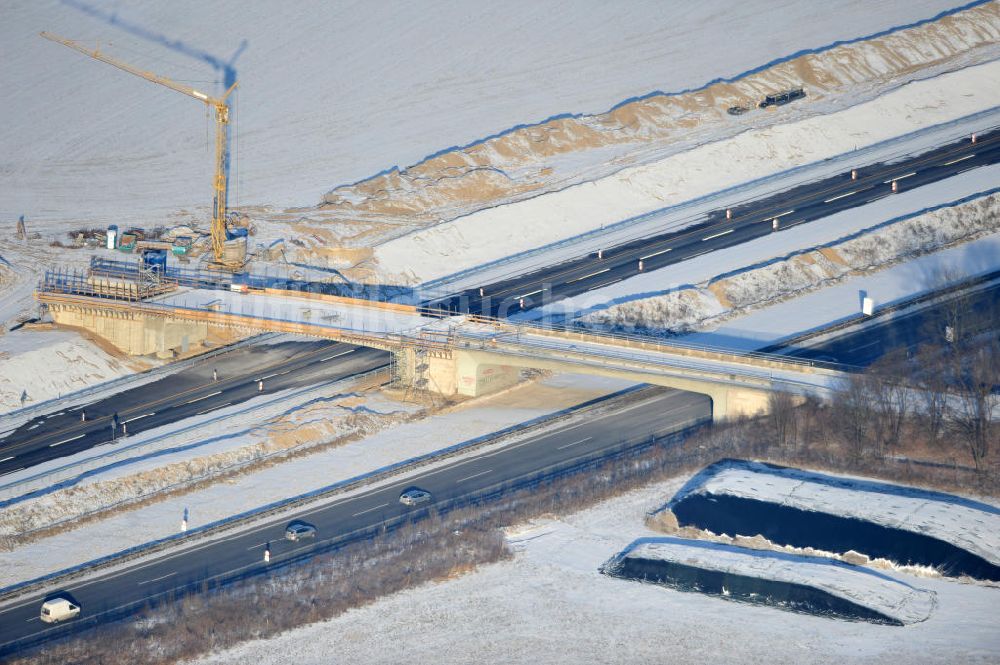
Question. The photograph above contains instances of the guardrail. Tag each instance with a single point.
(630, 447)
(35, 409)
(51, 480)
(438, 288)
(282, 506)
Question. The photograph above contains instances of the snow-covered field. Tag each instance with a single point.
(551, 605)
(508, 229)
(375, 446)
(43, 364)
(329, 94)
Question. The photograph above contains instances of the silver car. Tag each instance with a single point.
(299, 531)
(414, 497)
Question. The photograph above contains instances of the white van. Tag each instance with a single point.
(58, 609)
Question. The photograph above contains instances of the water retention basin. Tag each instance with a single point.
(780, 594)
(784, 525)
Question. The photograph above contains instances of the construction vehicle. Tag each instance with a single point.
(782, 98)
(227, 240)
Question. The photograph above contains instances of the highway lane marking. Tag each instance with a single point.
(718, 235)
(841, 196)
(7, 459)
(217, 392)
(475, 475)
(158, 578)
(782, 214)
(5, 473)
(525, 295)
(253, 547)
(370, 509)
(971, 168)
(960, 159)
(568, 445)
(691, 256)
(890, 180)
(601, 286)
(59, 443)
(590, 275)
(214, 408)
(242, 534)
(233, 381)
(914, 161)
(32, 619)
(145, 415)
(336, 355)
(662, 251)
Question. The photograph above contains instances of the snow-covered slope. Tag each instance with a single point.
(332, 93)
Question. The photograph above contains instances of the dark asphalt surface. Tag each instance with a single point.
(184, 394)
(796, 206)
(980, 312)
(660, 412)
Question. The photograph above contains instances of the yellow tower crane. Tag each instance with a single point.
(219, 211)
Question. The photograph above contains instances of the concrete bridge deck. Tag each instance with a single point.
(459, 354)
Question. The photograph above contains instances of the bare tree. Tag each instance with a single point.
(931, 383)
(782, 414)
(890, 395)
(975, 402)
(853, 413)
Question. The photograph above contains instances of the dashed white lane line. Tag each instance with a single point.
(717, 235)
(157, 579)
(145, 415)
(383, 505)
(840, 196)
(475, 475)
(590, 275)
(59, 443)
(569, 445)
(214, 408)
(960, 159)
(217, 392)
(7, 459)
(336, 355)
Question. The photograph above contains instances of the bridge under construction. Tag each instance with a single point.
(144, 313)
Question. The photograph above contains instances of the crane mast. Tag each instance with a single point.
(221, 110)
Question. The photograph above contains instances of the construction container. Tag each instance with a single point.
(127, 242)
(155, 260)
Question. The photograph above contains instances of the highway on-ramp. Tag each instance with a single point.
(657, 411)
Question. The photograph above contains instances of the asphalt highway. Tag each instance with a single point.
(979, 312)
(127, 587)
(748, 221)
(193, 391)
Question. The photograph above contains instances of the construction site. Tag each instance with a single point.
(369, 320)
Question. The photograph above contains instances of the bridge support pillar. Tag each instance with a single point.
(453, 372)
(133, 333)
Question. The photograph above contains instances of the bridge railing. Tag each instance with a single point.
(645, 342)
